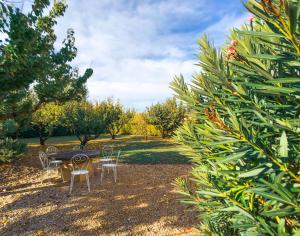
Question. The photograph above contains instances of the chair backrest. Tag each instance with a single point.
(51, 150)
(107, 151)
(118, 156)
(80, 162)
(43, 159)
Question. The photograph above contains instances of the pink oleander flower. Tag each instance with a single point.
(234, 43)
(230, 52)
(250, 18)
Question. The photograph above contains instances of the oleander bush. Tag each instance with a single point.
(243, 129)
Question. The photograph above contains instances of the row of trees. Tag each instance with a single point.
(245, 126)
(87, 121)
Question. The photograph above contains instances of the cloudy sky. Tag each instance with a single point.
(136, 47)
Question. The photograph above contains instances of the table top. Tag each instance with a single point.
(70, 154)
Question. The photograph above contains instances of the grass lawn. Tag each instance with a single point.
(135, 150)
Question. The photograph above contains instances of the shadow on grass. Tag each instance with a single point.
(148, 157)
(153, 152)
(135, 150)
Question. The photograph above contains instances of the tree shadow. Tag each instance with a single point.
(161, 157)
(141, 202)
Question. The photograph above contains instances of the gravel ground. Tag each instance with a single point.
(142, 202)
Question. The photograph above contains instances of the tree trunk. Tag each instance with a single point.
(113, 136)
(84, 141)
(42, 141)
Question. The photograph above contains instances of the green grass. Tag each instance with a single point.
(135, 150)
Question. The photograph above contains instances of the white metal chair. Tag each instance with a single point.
(51, 150)
(107, 152)
(112, 166)
(80, 164)
(49, 165)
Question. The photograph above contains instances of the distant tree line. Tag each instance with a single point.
(87, 121)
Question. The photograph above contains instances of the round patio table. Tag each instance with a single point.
(66, 157)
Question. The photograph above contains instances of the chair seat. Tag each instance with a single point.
(56, 162)
(109, 165)
(79, 172)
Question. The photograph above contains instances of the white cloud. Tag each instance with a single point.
(136, 47)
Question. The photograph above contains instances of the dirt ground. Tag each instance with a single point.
(142, 202)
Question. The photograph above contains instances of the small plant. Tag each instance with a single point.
(11, 150)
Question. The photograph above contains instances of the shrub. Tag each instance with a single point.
(245, 127)
(11, 150)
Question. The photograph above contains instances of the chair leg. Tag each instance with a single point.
(88, 182)
(115, 174)
(61, 173)
(43, 177)
(72, 183)
(102, 174)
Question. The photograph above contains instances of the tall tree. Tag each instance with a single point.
(115, 115)
(167, 116)
(30, 64)
(45, 119)
(245, 128)
(85, 120)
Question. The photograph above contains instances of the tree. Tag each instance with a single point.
(85, 120)
(166, 117)
(45, 119)
(140, 126)
(244, 134)
(115, 115)
(30, 64)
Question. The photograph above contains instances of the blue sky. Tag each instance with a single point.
(136, 47)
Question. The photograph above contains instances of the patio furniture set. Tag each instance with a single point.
(77, 163)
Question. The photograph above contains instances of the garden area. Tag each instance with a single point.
(219, 156)
(142, 202)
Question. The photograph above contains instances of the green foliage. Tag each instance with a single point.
(7, 128)
(141, 126)
(116, 117)
(45, 119)
(33, 71)
(166, 117)
(245, 125)
(85, 120)
(11, 150)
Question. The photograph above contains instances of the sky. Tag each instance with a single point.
(136, 47)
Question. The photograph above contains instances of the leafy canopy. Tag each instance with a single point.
(116, 117)
(167, 116)
(85, 120)
(31, 65)
(45, 119)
